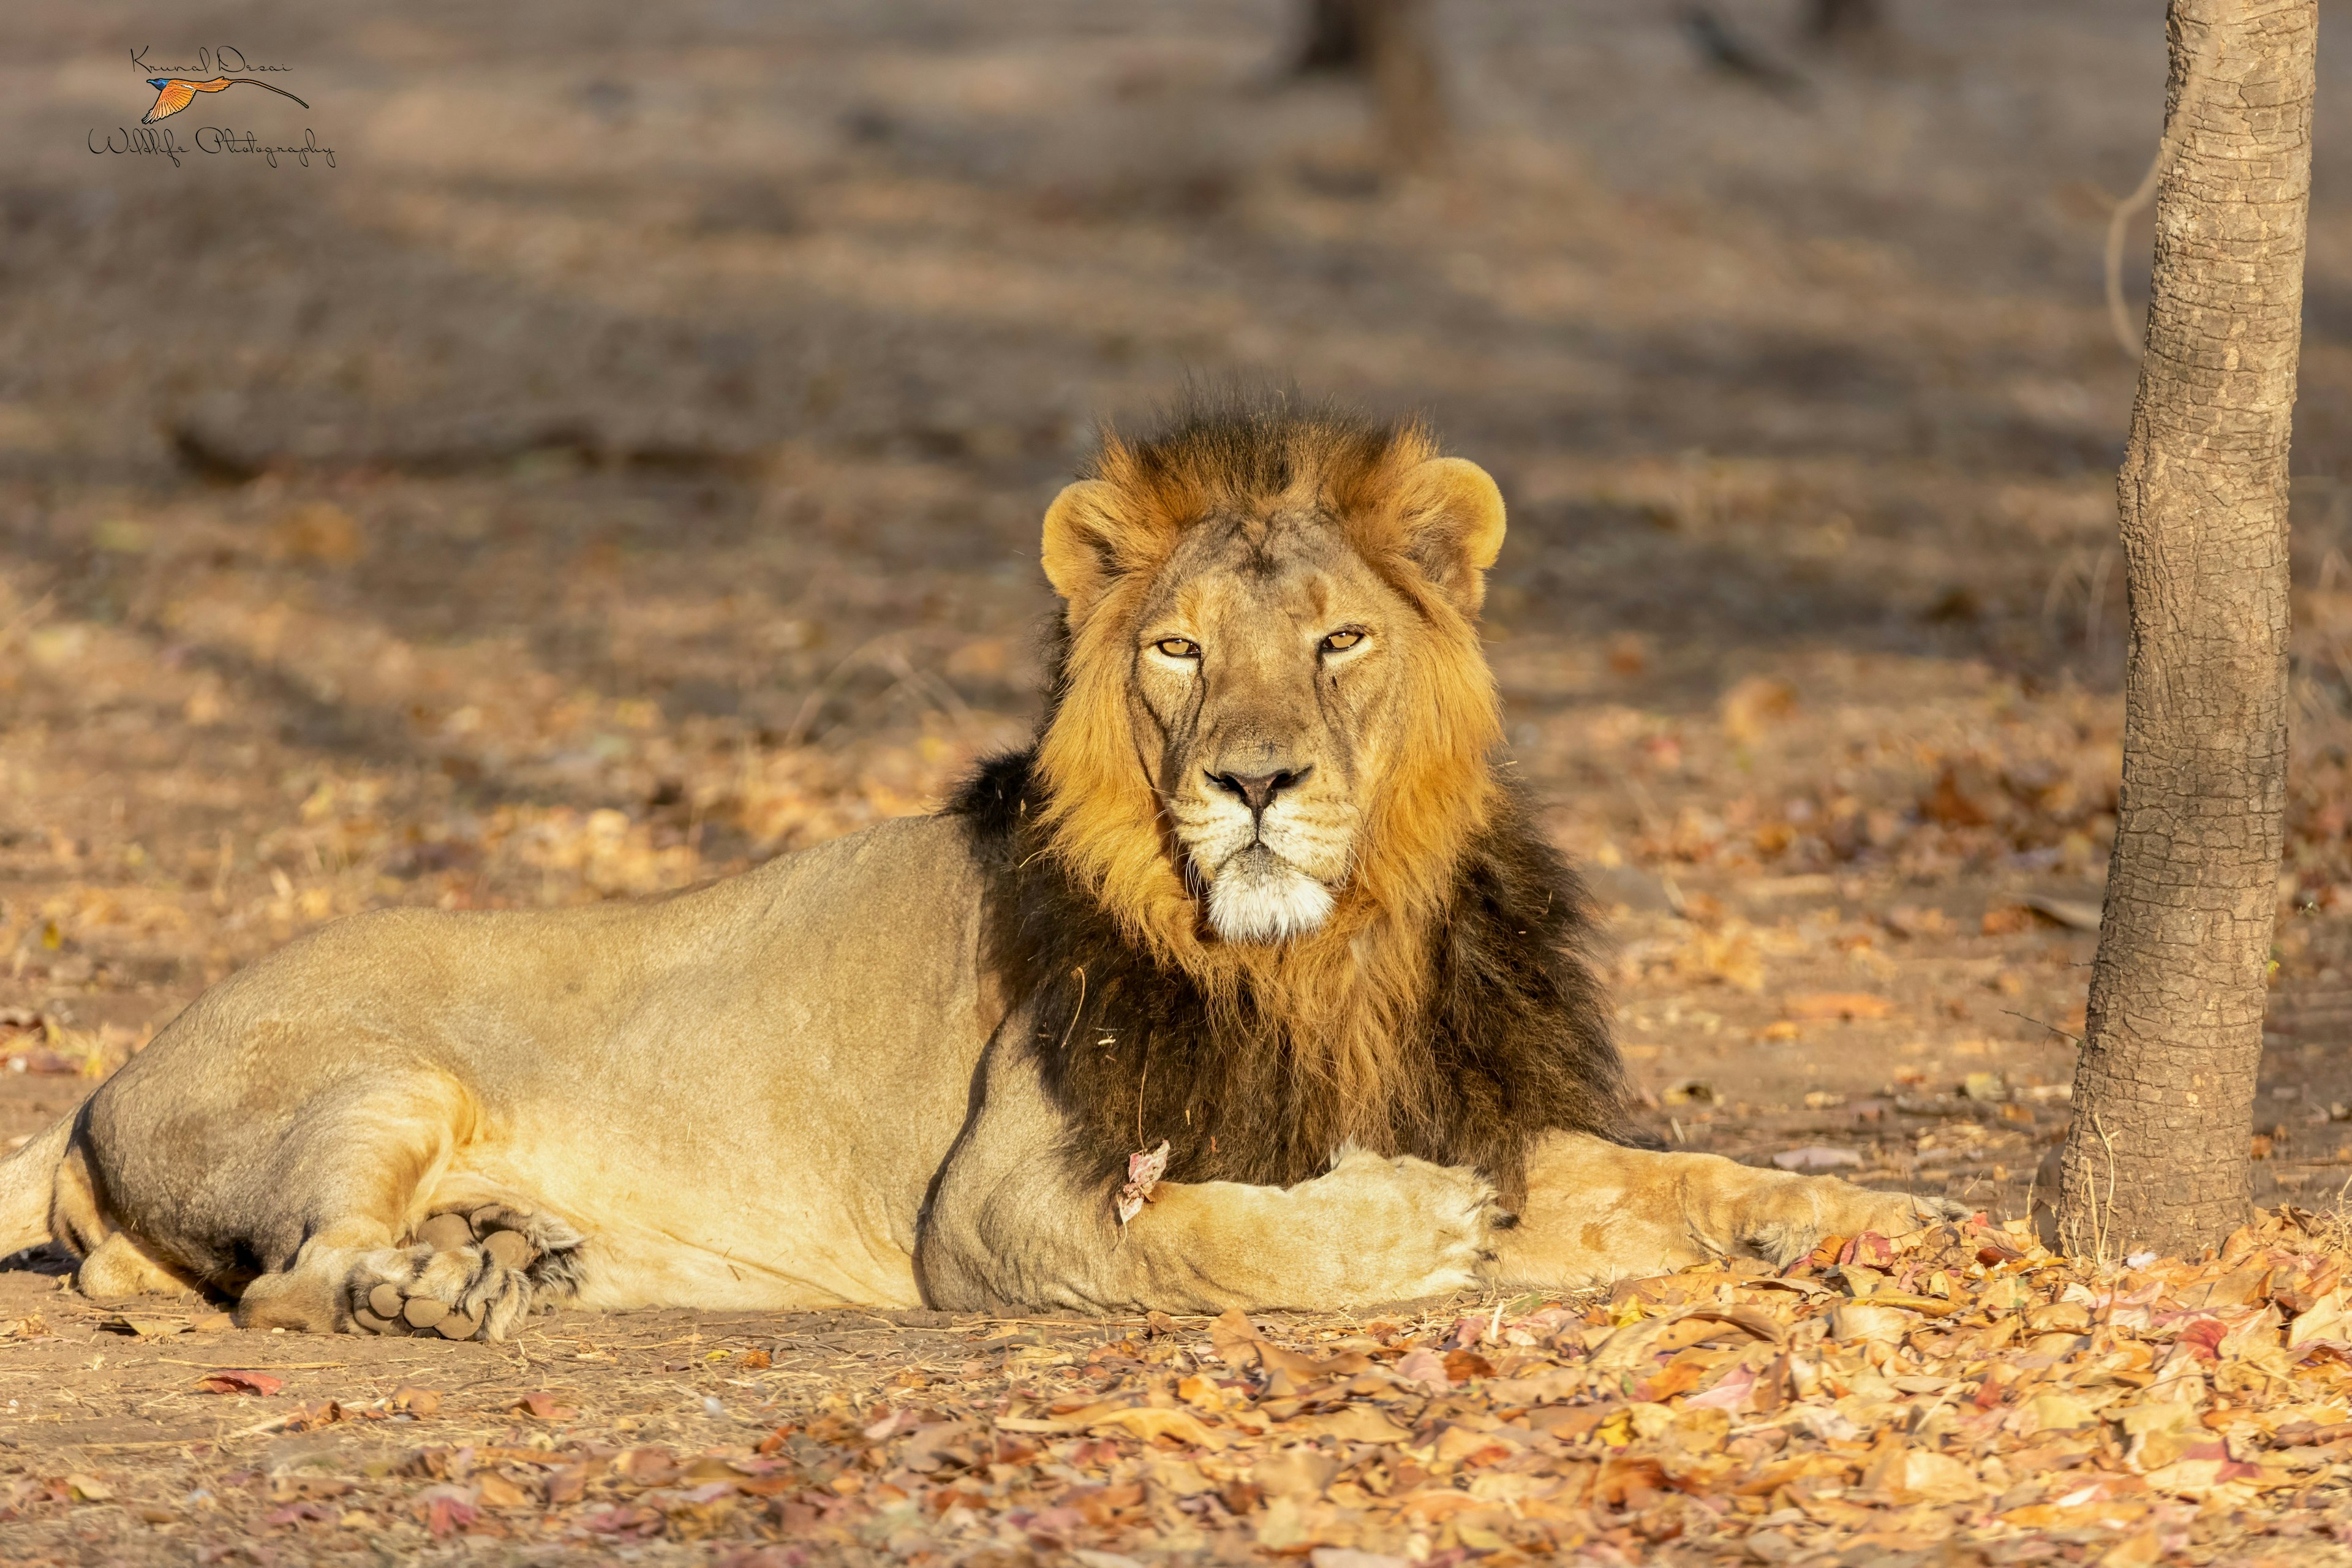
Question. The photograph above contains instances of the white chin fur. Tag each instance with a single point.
(1257, 897)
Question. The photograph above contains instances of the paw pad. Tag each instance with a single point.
(460, 1270)
(445, 1233)
(388, 1311)
(498, 1228)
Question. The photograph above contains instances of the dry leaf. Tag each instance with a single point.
(1812, 1005)
(1144, 1171)
(240, 1382)
(417, 1401)
(1137, 1420)
(1354, 1423)
(2057, 1412)
(1929, 1476)
(2075, 914)
(1950, 806)
(1871, 1322)
(1753, 704)
(1426, 1367)
(1733, 1390)
(1234, 1338)
(2324, 1319)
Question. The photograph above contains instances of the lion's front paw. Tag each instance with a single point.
(1401, 1228)
(1792, 1222)
(1895, 1214)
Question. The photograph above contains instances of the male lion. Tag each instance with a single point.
(1256, 892)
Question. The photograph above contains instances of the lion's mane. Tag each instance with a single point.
(1449, 1010)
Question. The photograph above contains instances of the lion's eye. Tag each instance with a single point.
(1179, 648)
(1341, 642)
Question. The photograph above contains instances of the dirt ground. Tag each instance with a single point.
(622, 464)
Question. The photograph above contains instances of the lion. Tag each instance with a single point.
(1247, 984)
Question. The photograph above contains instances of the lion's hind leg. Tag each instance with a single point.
(465, 1275)
(380, 1245)
(114, 1264)
(118, 1266)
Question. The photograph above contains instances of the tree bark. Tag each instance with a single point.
(2158, 1154)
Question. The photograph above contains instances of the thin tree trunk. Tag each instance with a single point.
(1334, 40)
(1833, 21)
(2158, 1153)
(1392, 44)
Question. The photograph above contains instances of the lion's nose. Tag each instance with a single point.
(1257, 790)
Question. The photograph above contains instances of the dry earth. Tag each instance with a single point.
(622, 464)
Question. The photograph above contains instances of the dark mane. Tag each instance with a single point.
(1513, 1037)
(1255, 440)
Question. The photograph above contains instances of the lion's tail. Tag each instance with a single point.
(27, 1179)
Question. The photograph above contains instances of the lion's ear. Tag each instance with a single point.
(1453, 513)
(1083, 531)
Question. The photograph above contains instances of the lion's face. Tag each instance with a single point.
(1274, 707)
(1266, 665)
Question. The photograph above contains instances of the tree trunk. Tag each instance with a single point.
(1834, 21)
(1334, 40)
(2158, 1153)
(1393, 45)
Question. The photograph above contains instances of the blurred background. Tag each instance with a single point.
(624, 464)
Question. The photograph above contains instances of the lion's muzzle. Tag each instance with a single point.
(1258, 896)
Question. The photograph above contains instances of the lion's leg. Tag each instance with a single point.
(114, 1263)
(356, 1172)
(460, 1276)
(1371, 1229)
(1012, 1226)
(1598, 1212)
(117, 1268)
(344, 1183)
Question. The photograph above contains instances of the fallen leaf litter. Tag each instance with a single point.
(1960, 1393)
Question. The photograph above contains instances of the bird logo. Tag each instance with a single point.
(175, 93)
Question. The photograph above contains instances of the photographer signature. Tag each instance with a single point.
(174, 93)
(210, 139)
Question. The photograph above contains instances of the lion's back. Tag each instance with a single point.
(808, 934)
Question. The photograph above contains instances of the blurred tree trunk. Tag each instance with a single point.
(1393, 45)
(1836, 20)
(2158, 1153)
(1335, 38)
